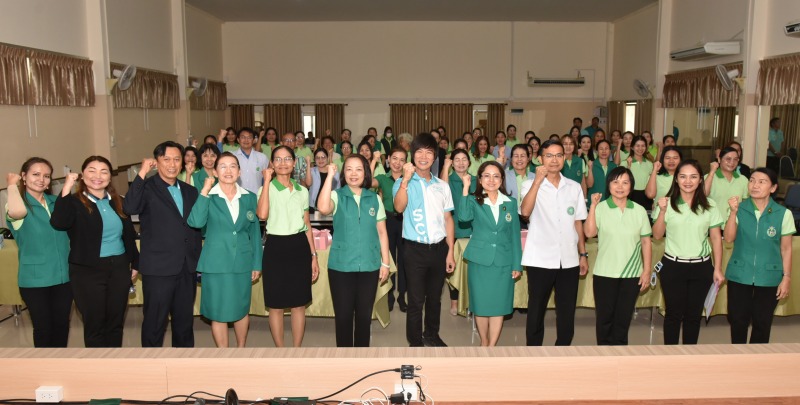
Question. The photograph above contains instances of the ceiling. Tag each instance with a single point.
(420, 10)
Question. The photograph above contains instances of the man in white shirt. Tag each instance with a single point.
(555, 252)
(251, 161)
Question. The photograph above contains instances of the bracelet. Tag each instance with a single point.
(314, 254)
(584, 254)
(385, 265)
(788, 275)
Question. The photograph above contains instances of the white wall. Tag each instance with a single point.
(635, 40)
(140, 32)
(780, 13)
(204, 44)
(58, 26)
(694, 22)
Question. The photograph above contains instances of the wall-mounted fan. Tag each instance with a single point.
(728, 77)
(198, 87)
(122, 79)
(642, 88)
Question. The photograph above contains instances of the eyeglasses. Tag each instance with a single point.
(491, 177)
(225, 167)
(287, 159)
(731, 159)
(551, 156)
(247, 138)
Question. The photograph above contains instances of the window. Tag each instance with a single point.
(630, 117)
(309, 123)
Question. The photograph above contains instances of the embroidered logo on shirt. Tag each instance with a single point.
(372, 211)
(251, 216)
(571, 210)
(771, 232)
(508, 217)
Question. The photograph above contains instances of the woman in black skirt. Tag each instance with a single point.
(290, 259)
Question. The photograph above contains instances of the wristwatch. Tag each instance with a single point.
(584, 254)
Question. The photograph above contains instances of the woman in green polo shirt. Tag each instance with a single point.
(190, 155)
(652, 148)
(535, 144)
(724, 181)
(622, 268)
(228, 141)
(481, 154)
(394, 223)
(663, 171)
(759, 270)
(43, 275)
(459, 161)
(208, 158)
(623, 147)
(289, 263)
(574, 168)
(689, 219)
(373, 157)
(641, 165)
(494, 251)
(359, 256)
(231, 257)
(599, 169)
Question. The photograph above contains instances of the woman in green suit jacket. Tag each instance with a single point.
(494, 252)
(231, 256)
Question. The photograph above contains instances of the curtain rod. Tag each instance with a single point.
(704, 68)
(28, 48)
(142, 68)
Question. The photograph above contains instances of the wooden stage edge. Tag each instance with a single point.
(764, 374)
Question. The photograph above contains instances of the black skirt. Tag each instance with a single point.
(286, 271)
(639, 197)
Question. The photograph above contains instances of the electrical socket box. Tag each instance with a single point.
(49, 393)
(407, 372)
(406, 388)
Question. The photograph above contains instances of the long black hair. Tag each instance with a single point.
(699, 199)
(666, 149)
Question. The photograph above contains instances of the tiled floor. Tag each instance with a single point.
(455, 330)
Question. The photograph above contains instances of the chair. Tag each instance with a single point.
(792, 203)
(786, 168)
(793, 154)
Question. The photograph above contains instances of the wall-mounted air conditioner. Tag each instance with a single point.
(792, 29)
(541, 81)
(707, 50)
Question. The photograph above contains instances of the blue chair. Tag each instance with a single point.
(792, 202)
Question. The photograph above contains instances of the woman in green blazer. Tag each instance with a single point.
(231, 256)
(208, 158)
(494, 252)
(43, 251)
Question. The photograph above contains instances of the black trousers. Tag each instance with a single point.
(748, 304)
(353, 295)
(49, 308)
(101, 295)
(169, 296)
(541, 283)
(685, 286)
(425, 272)
(394, 229)
(615, 300)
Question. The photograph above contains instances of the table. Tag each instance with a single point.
(648, 299)
(321, 305)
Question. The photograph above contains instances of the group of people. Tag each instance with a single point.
(404, 201)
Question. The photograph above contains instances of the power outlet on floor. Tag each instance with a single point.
(50, 393)
(409, 387)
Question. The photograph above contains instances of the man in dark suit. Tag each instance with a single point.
(169, 248)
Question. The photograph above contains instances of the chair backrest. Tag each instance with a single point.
(792, 199)
(793, 153)
(786, 168)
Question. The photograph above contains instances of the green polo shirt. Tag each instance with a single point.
(303, 151)
(687, 232)
(286, 208)
(653, 151)
(619, 235)
(641, 172)
(385, 184)
(663, 184)
(476, 163)
(379, 170)
(722, 190)
(623, 156)
(381, 210)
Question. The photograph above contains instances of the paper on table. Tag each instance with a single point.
(711, 297)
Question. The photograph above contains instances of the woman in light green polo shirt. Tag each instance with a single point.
(641, 165)
(289, 263)
(663, 171)
(208, 158)
(622, 268)
(759, 270)
(373, 157)
(482, 154)
(623, 146)
(724, 181)
(359, 256)
(190, 156)
(689, 219)
(43, 252)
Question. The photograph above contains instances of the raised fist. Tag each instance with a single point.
(733, 202)
(13, 179)
(467, 180)
(629, 160)
(267, 173)
(662, 203)
(656, 166)
(596, 198)
(448, 162)
(147, 165)
(408, 170)
(541, 173)
(70, 181)
(331, 169)
(376, 155)
(714, 166)
(207, 184)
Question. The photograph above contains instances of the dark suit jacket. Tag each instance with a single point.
(85, 231)
(167, 240)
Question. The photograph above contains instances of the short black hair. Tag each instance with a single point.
(222, 155)
(161, 149)
(616, 173)
(509, 126)
(459, 140)
(523, 146)
(551, 142)
(424, 141)
(773, 119)
(210, 136)
(773, 177)
(665, 137)
(664, 151)
(208, 147)
(726, 150)
(245, 129)
(367, 183)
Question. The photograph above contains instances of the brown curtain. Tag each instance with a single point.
(407, 118)
(283, 117)
(644, 116)
(13, 76)
(455, 118)
(699, 88)
(242, 116)
(790, 124)
(616, 116)
(726, 118)
(495, 121)
(149, 89)
(329, 117)
(779, 80)
(60, 80)
(216, 97)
